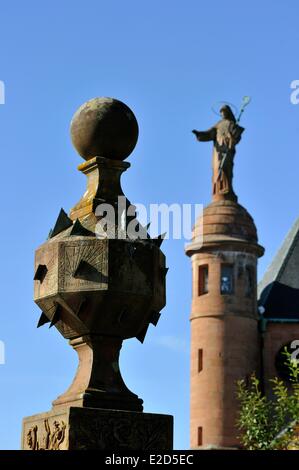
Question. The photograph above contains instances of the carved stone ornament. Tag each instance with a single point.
(46, 438)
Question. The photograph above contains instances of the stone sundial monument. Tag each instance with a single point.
(99, 290)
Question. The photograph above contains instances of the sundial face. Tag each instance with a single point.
(62, 262)
(83, 265)
(82, 284)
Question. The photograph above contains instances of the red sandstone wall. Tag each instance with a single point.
(229, 352)
(224, 327)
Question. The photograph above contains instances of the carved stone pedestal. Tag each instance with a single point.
(97, 429)
(98, 382)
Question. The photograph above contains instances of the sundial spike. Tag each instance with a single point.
(142, 334)
(145, 227)
(86, 271)
(79, 230)
(62, 223)
(40, 272)
(164, 271)
(43, 319)
(155, 318)
(143, 231)
(57, 315)
(159, 240)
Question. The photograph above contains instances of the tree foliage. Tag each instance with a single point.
(261, 419)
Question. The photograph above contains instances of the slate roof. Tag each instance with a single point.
(278, 291)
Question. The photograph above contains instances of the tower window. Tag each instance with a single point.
(199, 360)
(227, 279)
(199, 436)
(249, 282)
(203, 279)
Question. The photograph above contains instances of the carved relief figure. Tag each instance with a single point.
(51, 440)
(32, 438)
(57, 436)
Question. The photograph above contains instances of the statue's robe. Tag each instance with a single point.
(225, 135)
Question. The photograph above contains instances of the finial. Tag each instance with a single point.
(104, 131)
(104, 127)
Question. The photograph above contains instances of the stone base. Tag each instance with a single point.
(97, 429)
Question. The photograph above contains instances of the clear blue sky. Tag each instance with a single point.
(169, 61)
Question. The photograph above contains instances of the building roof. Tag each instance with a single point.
(278, 291)
(224, 223)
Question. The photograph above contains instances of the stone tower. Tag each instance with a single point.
(224, 319)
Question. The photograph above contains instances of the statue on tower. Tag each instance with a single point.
(225, 134)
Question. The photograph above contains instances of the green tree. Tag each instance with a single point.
(262, 419)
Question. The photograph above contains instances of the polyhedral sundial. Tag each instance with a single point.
(100, 280)
(99, 290)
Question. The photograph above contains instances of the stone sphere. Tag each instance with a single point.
(104, 127)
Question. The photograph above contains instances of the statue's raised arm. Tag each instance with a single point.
(226, 134)
(205, 136)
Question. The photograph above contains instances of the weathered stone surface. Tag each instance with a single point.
(95, 429)
(104, 127)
